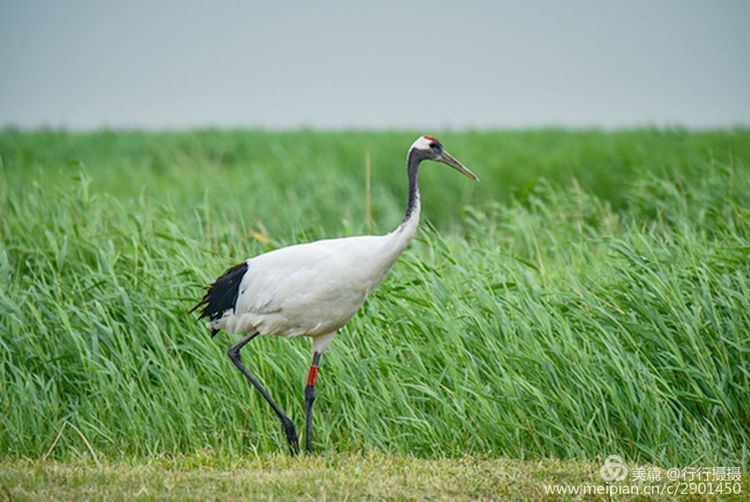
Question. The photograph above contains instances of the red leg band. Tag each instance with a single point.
(311, 376)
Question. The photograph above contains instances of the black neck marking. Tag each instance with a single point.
(413, 160)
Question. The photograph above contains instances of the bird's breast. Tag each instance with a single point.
(310, 289)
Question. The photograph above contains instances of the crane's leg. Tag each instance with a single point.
(309, 399)
(286, 423)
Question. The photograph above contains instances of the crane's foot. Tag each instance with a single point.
(291, 436)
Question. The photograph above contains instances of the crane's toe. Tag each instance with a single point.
(291, 435)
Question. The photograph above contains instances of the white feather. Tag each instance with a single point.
(422, 143)
(314, 289)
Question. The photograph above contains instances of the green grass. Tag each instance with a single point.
(329, 477)
(590, 296)
(278, 477)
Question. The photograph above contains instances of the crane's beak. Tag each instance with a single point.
(448, 159)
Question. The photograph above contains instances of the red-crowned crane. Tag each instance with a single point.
(313, 289)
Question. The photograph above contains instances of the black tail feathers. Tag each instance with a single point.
(222, 294)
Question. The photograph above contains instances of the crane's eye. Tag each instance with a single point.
(433, 145)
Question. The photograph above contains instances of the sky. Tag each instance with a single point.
(389, 64)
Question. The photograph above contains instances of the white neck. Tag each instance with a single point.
(401, 237)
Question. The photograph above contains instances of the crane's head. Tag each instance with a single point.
(430, 148)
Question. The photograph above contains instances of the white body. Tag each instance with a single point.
(314, 289)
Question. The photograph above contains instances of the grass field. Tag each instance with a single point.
(333, 477)
(590, 296)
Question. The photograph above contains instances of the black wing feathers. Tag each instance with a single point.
(222, 294)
